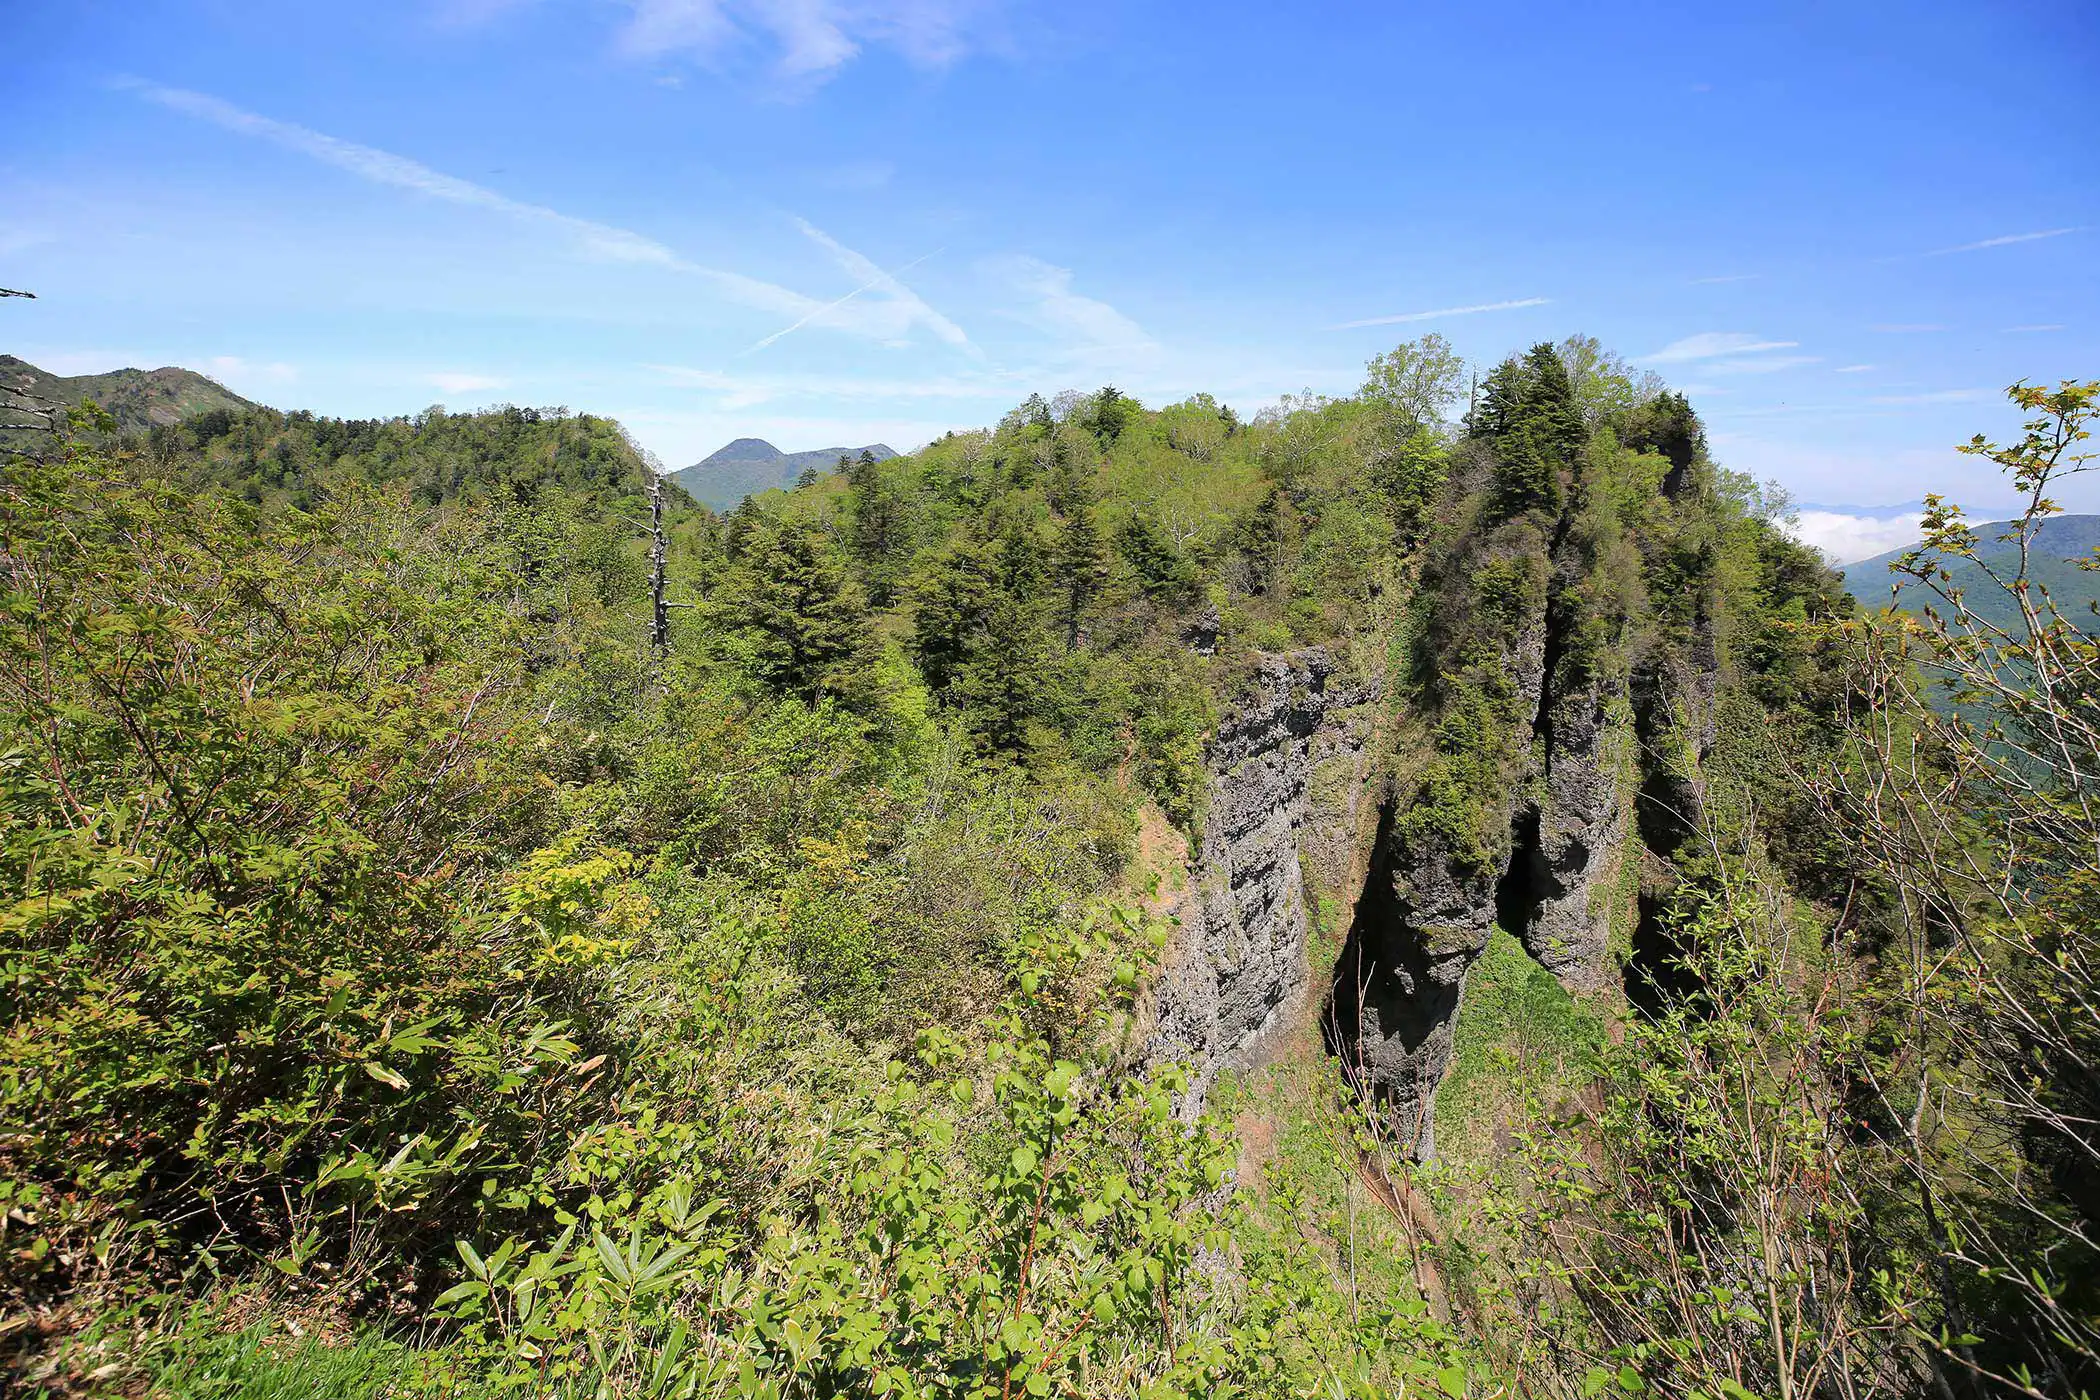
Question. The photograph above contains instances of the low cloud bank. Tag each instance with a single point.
(1847, 539)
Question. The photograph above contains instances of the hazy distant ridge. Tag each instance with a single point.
(2058, 545)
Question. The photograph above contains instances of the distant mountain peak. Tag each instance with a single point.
(138, 399)
(744, 450)
(748, 466)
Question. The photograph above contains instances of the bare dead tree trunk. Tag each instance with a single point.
(659, 606)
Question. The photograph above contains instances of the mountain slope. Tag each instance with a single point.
(2059, 545)
(137, 398)
(751, 465)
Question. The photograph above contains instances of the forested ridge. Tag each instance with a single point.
(1432, 891)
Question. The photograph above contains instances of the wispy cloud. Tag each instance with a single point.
(1709, 345)
(1852, 369)
(385, 168)
(2022, 330)
(813, 38)
(2005, 240)
(1406, 317)
(878, 280)
(454, 382)
(1055, 307)
(889, 315)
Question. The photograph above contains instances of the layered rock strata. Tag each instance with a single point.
(1287, 765)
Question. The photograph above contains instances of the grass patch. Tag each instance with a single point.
(259, 1364)
(1519, 1033)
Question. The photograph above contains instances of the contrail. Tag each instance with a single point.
(1441, 311)
(832, 306)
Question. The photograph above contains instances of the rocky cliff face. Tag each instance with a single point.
(1424, 917)
(1557, 716)
(1287, 766)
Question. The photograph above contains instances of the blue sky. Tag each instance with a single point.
(833, 221)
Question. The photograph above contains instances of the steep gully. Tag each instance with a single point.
(1299, 802)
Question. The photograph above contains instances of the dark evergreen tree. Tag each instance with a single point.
(796, 611)
(877, 533)
(1162, 568)
(1268, 537)
(1529, 415)
(1020, 559)
(1111, 413)
(952, 599)
(1001, 686)
(1081, 563)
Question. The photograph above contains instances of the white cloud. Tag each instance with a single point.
(2021, 330)
(1055, 307)
(1408, 316)
(454, 382)
(1708, 345)
(2005, 239)
(813, 38)
(1852, 369)
(888, 316)
(1847, 539)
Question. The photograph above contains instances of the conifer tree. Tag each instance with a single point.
(1000, 687)
(1529, 413)
(878, 524)
(1082, 566)
(797, 612)
(1159, 563)
(953, 597)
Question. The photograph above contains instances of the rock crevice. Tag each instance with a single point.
(1569, 724)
